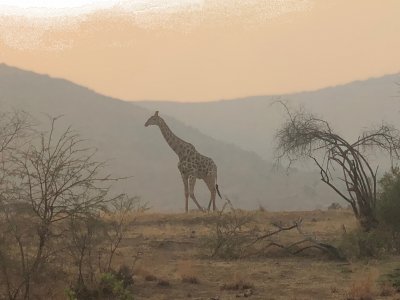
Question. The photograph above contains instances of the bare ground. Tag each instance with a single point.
(174, 264)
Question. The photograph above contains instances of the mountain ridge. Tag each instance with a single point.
(250, 97)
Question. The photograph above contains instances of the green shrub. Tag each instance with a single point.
(385, 239)
(114, 288)
(360, 244)
(388, 206)
(110, 286)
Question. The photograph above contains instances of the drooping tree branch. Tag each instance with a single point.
(305, 136)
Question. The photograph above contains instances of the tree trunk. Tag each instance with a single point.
(366, 215)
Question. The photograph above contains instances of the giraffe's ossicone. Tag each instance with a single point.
(192, 164)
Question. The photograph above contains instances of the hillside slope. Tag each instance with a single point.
(117, 129)
(250, 123)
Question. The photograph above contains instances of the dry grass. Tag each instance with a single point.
(173, 252)
(172, 265)
(364, 287)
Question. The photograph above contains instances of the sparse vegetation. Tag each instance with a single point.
(232, 233)
(241, 287)
(237, 285)
(52, 204)
(237, 236)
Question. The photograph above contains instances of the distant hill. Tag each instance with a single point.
(250, 123)
(117, 129)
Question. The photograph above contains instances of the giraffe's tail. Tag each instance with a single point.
(216, 185)
(219, 194)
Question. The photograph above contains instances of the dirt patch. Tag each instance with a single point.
(172, 264)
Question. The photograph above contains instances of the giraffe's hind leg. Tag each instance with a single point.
(192, 182)
(186, 185)
(210, 181)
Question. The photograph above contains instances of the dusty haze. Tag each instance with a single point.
(213, 51)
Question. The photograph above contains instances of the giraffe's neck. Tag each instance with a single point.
(177, 144)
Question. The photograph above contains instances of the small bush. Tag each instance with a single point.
(112, 287)
(334, 206)
(261, 208)
(360, 244)
(71, 294)
(125, 274)
(230, 236)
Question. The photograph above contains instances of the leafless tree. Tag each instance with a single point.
(14, 127)
(54, 176)
(343, 165)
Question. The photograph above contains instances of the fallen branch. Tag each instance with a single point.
(296, 247)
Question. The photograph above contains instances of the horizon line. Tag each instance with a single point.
(4, 64)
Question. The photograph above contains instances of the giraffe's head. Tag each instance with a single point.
(153, 120)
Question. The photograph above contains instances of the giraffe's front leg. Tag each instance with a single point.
(192, 182)
(186, 185)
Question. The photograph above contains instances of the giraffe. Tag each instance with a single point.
(192, 165)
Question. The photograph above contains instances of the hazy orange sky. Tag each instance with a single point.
(219, 49)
